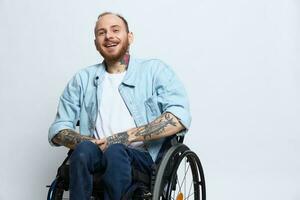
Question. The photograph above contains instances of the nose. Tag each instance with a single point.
(108, 35)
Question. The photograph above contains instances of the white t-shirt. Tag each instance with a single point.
(113, 115)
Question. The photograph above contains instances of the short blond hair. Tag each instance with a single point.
(118, 15)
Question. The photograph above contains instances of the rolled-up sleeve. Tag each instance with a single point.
(171, 95)
(68, 109)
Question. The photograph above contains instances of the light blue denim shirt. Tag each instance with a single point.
(149, 88)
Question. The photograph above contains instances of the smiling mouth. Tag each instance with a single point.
(110, 45)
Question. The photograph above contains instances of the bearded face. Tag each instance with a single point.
(113, 49)
(111, 37)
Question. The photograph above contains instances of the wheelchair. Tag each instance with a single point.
(177, 175)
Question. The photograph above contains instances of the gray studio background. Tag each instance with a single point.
(239, 60)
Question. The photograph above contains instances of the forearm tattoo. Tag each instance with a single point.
(157, 127)
(118, 138)
(69, 138)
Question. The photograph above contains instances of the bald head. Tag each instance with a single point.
(115, 14)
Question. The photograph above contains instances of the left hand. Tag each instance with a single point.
(102, 143)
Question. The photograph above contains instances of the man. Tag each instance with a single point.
(126, 108)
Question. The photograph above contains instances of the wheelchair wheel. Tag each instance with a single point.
(59, 194)
(180, 176)
(55, 192)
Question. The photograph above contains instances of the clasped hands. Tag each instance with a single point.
(125, 138)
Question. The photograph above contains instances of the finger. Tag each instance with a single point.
(103, 147)
(94, 141)
(100, 142)
(132, 138)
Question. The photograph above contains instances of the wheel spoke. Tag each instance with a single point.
(173, 197)
(174, 194)
(190, 188)
(184, 176)
(189, 196)
(177, 183)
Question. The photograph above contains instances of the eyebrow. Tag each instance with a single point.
(102, 29)
(113, 26)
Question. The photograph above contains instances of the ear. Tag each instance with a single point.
(96, 45)
(130, 37)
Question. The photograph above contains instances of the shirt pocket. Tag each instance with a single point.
(152, 108)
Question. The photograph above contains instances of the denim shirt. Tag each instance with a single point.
(149, 88)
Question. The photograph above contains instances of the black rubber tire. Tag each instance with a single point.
(58, 194)
(54, 192)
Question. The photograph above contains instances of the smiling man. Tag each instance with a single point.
(126, 108)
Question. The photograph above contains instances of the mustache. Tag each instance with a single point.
(111, 40)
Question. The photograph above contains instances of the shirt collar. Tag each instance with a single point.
(130, 76)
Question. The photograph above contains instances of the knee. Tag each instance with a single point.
(115, 150)
(82, 151)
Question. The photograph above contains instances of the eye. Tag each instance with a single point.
(100, 33)
(116, 30)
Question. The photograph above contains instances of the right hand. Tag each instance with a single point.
(102, 143)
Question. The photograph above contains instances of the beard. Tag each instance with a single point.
(115, 57)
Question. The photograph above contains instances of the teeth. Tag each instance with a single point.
(111, 45)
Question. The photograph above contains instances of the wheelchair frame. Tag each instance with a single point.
(162, 181)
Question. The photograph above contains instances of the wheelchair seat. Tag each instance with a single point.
(177, 174)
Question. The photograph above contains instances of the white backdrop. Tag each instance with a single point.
(239, 60)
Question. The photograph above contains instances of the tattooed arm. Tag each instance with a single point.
(70, 138)
(165, 125)
(118, 138)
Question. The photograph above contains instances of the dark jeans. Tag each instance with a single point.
(115, 165)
